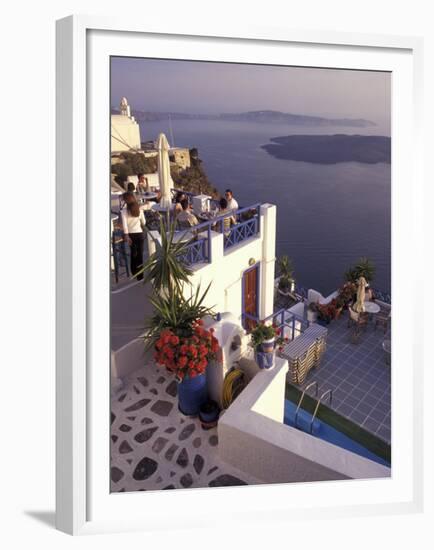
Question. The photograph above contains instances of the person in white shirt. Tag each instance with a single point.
(232, 203)
(133, 224)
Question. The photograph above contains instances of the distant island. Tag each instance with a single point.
(270, 117)
(331, 149)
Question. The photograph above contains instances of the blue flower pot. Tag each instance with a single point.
(265, 360)
(268, 346)
(192, 393)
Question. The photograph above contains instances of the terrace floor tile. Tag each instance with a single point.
(359, 376)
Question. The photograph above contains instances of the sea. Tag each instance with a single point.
(328, 216)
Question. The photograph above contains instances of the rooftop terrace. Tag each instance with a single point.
(155, 447)
(359, 375)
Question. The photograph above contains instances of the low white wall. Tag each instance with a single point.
(128, 358)
(316, 296)
(253, 438)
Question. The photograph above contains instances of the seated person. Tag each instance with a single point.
(186, 218)
(180, 196)
(232, 203)
(130, 187)
(142, 184)
(229, 219)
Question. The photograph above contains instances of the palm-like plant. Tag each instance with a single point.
(286, 270)
(176, 313)
(167, 268)
(363, 268)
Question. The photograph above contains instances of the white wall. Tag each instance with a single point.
(125, 133)
(253, 438)
(226, 270)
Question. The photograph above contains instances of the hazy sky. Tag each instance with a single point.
(200, 87)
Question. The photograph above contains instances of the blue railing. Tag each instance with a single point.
(241, 231)
(247, 226)
(198, 251)
(121, 255)
(290, 324)
(382, 296)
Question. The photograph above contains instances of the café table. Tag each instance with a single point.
(372, 308)
(206, 216)
(158, 208)
(148, 196)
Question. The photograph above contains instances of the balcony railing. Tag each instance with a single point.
(198, 251)
(247, 226)
(382, 296)
(290, 324)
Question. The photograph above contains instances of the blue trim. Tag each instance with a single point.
(236, 235)
(197, 252)
(282, 318)
(121, 255)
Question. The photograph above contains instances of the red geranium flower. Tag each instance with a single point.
(182, 361)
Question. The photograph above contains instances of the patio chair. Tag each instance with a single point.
(382, 319)
(360, 320)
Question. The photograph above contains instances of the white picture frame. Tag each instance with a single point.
(83, 505)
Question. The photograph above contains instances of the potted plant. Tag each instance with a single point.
(188, 357)
(166, 269)
(326, 312)
(183, 345)
(176, 331)
(346, 294)
(208, 414)
(363, 268)
(286, 284)
(263, 339)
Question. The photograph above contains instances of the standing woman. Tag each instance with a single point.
(133, 223)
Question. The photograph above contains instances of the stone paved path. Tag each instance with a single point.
(155, 447)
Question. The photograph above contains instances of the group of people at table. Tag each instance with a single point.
(134, 221)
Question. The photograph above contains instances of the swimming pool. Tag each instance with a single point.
(326, 432)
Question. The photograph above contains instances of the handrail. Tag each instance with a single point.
(330, 392)
(314, 383)
(215, 220)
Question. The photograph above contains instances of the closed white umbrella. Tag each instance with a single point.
(360, 303)
(166, 183)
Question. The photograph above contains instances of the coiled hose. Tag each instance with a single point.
(233, 385)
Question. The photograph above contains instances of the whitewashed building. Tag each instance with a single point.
(125, 131)
(239, 263)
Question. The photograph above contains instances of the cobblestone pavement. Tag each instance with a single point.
(155, 447)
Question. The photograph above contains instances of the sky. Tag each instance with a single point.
(210, 88)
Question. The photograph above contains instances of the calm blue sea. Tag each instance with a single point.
(327, 216)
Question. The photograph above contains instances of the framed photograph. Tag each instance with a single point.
(236, 212)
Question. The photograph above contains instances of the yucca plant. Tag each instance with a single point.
(167, 268)
(363, 268)
(177, 313)
(286, 271)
